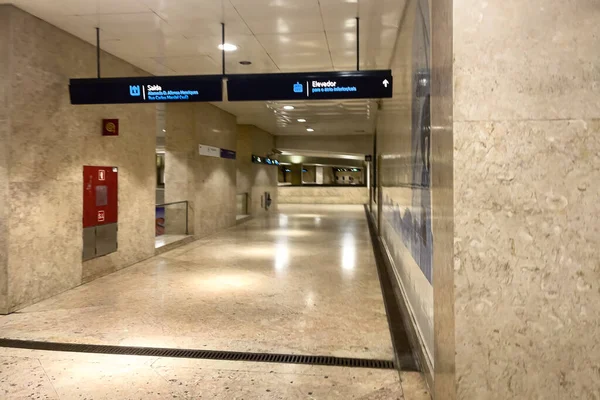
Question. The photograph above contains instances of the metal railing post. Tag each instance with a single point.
(187, 207)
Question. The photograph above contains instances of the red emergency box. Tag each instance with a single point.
(100, 211)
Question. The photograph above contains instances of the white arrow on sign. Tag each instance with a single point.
(386, 82)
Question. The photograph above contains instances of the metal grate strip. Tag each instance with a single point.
(199, 354)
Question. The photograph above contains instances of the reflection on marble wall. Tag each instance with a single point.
(323, 195)
(527, 164)
(442, 199)
(50, 141)
(208, 183)
(404, 164)
(255, 179)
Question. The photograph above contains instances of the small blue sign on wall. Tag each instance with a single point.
(230, 154)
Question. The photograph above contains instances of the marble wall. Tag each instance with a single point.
(406, 189)
(208, 183)
(527, 164)
(4, 137)
(255, 179)
(323, 195)
(49, 141)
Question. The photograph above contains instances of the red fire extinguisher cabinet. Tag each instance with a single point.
(100, 211)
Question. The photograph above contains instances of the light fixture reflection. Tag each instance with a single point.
(282, 255)
(348, 252)
(228, 47)
(283, 220)
(310, 299)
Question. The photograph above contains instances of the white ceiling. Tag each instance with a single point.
(180, 37)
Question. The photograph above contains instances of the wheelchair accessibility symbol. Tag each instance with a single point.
(298, 87)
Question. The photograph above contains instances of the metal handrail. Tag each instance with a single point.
(187, 207)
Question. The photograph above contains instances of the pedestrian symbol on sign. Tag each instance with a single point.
(101, 175)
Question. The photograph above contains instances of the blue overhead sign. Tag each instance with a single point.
(155, 89)
(311, 86)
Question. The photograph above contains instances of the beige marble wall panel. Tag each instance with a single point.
(52, 142)
(526, 60)
(256, 179)
(4, 153)
(4, 212)
(265, 180)
(180, 147)
(526, 150)
(527, 267)
(216, 187)
(215, 195)
(45, 241)
(208, 183)
(244, 166)
(325, 195)
(5, 46)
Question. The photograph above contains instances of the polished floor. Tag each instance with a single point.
(303, 281)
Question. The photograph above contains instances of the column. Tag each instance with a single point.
(526, 173)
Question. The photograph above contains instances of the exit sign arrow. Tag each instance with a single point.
(386, 82)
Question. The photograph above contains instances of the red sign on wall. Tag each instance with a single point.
(110, 127)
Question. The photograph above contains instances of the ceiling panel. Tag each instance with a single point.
(159, 46)
(272, 9)
(124, 25)
(199, 27)
(188, 9)
(80, 7)
(306, 61)
(153, 66)
(302, 23)
(291, 44)
(190, 65)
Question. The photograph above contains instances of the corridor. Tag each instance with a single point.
(303, 281)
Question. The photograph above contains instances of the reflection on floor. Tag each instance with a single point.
(165, 240)
(303, 282)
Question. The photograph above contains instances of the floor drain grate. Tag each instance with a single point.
(199, 354)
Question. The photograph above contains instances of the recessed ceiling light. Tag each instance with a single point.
(301, 120)
(228, 47)
(289, 108)
(164, 130)
(310, 130)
